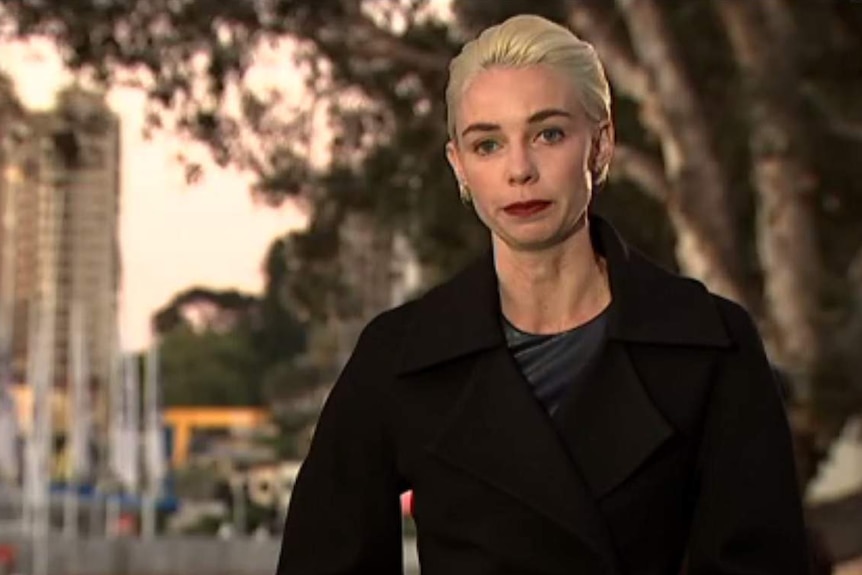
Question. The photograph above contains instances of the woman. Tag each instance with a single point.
(563, 405)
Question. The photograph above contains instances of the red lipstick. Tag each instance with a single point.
(524, 209)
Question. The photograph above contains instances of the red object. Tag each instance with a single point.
(407, 503)
(8, 555)
(127, 524)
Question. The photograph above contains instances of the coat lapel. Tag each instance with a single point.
(498, 433)
(608, 422)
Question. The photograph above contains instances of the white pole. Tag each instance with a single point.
(131, 443)
(43, 452)
(154, 454)
(78, 428)
(31, 470)
(115, 448)
(125, 438)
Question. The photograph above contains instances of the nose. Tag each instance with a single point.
(521, 166)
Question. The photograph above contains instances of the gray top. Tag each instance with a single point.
(551, 363)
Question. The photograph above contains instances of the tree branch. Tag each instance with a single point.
(784, 184)
(838, 122)
(621, 65)
(365, 40)
(707, 246)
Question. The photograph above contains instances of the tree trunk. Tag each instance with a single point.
(784, 184)
(699, 205)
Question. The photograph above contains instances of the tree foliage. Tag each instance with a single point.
(209, 368)
(230, 348)
(736, 124)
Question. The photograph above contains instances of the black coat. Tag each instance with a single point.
(675, 444)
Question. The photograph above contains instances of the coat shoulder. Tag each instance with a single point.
(739, 323)
(385, 332)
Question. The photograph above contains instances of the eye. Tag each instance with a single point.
(551, 135)
(485, 147)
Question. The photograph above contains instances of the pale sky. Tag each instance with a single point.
(172, 235)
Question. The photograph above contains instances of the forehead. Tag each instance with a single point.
(505, 95)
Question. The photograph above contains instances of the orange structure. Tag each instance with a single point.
(185, 420)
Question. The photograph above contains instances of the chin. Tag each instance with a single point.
(531, 242)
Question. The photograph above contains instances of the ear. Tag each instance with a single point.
(454, 158)
(602, 149)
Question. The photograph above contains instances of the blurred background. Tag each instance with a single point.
(202, 203)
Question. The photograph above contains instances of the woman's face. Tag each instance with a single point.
(525, 148)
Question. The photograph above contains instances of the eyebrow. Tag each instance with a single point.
(539, 116)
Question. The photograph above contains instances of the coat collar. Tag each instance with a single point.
(650, 305)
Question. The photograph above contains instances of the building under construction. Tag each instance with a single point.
(59, 204)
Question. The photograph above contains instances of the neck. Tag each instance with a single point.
(552, 290)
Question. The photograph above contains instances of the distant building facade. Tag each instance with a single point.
(60, 199)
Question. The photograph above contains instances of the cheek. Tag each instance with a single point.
(481, 203)
(482, 214)
(479, 170)
(483, 178)
(568, 170)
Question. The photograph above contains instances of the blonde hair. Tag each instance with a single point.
(526, 40)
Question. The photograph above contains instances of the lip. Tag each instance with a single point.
(524, 209)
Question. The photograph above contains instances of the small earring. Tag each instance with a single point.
(464, 192)
(596, 178)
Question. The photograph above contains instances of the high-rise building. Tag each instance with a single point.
(11, 125)
(61, 191)
(13, 128)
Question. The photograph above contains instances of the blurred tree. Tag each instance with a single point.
(277, 332)
(725, 88)
(209, 368)
(219, 346)
(230, 348)
(736, 126)
(295, 394)
(211, 309)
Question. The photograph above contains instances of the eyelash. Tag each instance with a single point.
(559, 135)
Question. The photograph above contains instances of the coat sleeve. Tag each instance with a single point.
(748, 514)
(344, 515)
